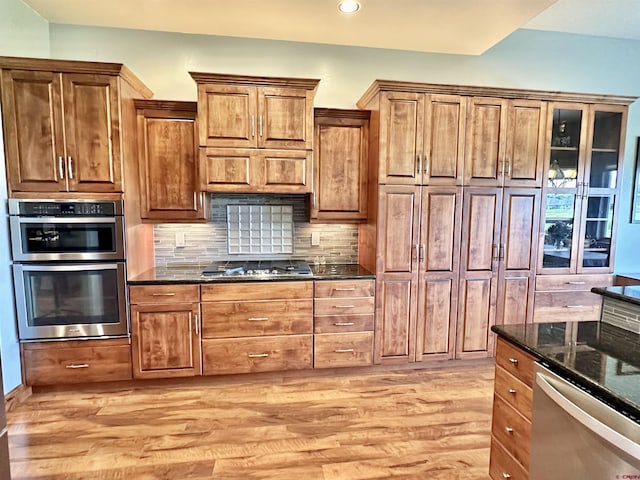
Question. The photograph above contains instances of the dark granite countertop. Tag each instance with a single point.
(600, 358)
(629, 294)
(192, 273)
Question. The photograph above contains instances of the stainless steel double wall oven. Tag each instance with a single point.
(68, 268)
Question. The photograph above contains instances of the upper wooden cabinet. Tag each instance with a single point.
(340, 165)
(168, 161)
(421, 139)
(504, 142)
(62, 124)
(255, 112)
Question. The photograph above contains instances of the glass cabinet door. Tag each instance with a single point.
(597, 232)
(564, 160)
(558, 230)
(605, 150)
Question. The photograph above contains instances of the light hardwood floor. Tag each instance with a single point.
(423, 424)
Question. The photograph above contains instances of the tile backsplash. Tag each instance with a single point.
(204, 243)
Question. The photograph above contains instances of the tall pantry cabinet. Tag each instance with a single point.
(454, 230)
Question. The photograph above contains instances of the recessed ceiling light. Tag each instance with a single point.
(348, 6)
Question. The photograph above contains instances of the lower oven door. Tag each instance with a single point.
(70, 300)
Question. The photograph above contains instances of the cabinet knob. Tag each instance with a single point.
(508, 429)
(506, 475)
(512, 391)
(514, 361)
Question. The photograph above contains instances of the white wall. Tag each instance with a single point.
(22, 33)
(526, 59)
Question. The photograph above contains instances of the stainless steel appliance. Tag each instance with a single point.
(576, 436)
(259, 269)
(69, 268)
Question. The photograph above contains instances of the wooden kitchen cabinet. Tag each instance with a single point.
(165, 330)
(62, 124)
(421, 140)
(343, 323)
(340, 165)
(257, 327)
(168, 162)
(505, 142)
(255, 171)
(511, 421)
(76, 361)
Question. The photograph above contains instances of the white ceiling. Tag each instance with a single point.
(444, 26)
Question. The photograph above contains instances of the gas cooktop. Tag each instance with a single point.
(264, 268)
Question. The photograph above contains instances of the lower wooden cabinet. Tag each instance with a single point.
(77, 361)
(256, 354)
(511, 422)
(343, 349)
(165, 331)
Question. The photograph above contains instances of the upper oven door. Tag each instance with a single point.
(75, 238)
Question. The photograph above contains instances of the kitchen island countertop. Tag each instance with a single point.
(192, 273)
(599, 358)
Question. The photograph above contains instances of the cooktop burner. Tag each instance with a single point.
(266, 268)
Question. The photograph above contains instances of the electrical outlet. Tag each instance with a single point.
(180, 243)
(315, 239)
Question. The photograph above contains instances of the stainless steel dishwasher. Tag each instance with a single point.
(576, 436)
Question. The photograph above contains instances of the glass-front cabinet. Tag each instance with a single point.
(584, 157)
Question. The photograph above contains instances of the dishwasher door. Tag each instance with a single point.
(577, 437)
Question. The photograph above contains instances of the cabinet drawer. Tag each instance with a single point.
(566, 306)
(256, 354)
(572, 282)
(344, 288)
(343, 323)
(251, 319)
(514, 392)
(77, 362)
(512, 430)
(257, 291)
(502, 465)
(343, 306)
(343, 350)
(164, 293)
(515, 361)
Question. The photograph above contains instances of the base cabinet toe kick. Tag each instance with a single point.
(187, 330)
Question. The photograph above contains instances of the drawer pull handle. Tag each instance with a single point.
(512, 391)
(513, 360)
(351, 289)
(576, 283)
(74, 366)
(575, 306)
(163, 294)
(506, 475)
(508, 429)
(344, 350)
(258, 355)
(344, 324)
(344, 306)
(257, 319)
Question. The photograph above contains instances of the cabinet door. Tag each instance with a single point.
(92, 132)
(285, 118)
(486, 142)
(227, 116)
(437, 308)
(401, 137)
(166, 340)
(396, 300)
(443, 157)
(167, 153)
(525, 143)
(440, 223)
(283, 171)
(340, 168)
(478, 271)
(33, 131)
(227, 170)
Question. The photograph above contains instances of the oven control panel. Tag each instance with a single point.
(64, 208)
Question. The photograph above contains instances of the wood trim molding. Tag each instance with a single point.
(16, 397)
(341, 113)
(172, 105)
(224, 78)
(74, 66)
(510, 93)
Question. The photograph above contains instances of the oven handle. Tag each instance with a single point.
(67, 267)
(66, 219)
(581, 406)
